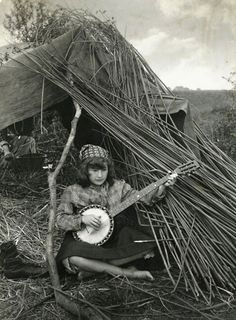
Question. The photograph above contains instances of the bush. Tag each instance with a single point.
(224, 132)
(35, 23)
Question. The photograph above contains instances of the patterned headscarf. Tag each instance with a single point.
(90, 151)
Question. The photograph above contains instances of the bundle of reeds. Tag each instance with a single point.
(196, 221)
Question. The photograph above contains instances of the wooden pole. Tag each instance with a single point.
(60, 298)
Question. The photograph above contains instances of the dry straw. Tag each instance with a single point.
(201, 207)
(196, 222)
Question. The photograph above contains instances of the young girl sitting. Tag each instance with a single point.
(97, 185)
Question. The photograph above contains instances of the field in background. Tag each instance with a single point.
(208, 105)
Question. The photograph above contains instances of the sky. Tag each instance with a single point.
(190, 43)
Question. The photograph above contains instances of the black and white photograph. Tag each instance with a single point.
(117, 159)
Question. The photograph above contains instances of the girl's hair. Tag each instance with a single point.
(95, 163)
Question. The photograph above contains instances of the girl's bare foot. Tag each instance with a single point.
(138, 274)
(143, 274)
(83, 275)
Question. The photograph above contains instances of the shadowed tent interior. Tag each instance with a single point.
(127, 108)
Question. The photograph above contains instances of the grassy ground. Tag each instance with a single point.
(24, 203)
(24, 218)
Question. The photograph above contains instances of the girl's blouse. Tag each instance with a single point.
(76, 197)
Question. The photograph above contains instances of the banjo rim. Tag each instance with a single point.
(108, 235)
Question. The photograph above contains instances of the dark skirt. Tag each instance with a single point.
(120, 245)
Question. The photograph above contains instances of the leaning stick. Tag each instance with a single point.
(52, 176)
(60, 298)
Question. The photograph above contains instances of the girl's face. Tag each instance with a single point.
(98, 176)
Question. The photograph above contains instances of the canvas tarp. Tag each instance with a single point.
(26, 92)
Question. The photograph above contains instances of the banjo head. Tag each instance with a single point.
(90, 235)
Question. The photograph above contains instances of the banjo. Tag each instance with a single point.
(99, 237)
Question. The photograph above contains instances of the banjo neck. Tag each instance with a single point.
(137, 196)
(90, 235)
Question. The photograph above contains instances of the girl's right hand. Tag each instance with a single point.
(92, 221)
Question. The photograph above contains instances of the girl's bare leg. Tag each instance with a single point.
(119, 262)
(97, 266)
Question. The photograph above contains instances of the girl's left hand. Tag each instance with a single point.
(170, 182)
